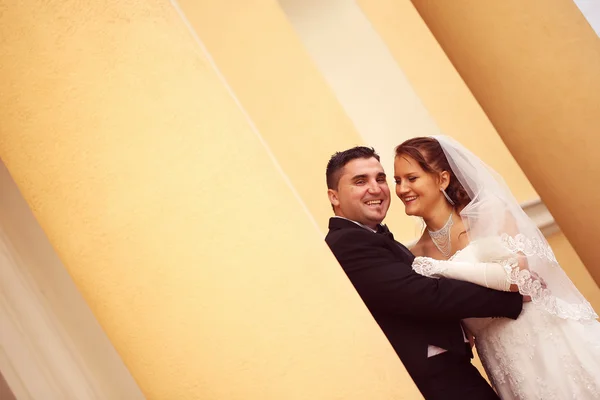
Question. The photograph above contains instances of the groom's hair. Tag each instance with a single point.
(338, 161)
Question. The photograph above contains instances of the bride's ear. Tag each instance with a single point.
(444, 179)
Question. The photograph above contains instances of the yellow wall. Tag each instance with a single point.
(165, 207)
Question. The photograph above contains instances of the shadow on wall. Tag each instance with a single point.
(5, 392)
(73, 358)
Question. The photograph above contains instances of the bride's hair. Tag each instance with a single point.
(429, 154)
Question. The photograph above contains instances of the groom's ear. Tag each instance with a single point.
(333, 197)
(444, 179)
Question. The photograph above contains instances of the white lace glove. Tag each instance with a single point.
(490, 275)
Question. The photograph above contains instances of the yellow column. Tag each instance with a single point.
(534, 68)
(190, 247)
(265, 63)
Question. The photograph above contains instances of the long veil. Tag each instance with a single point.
(495, 216)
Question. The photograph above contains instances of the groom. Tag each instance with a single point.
(420, 316)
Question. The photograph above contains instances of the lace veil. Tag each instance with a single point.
(494, 216)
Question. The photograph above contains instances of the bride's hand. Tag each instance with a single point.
(522, 262)
(536, 277)
(523, 265)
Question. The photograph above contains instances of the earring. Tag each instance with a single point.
(446, 196)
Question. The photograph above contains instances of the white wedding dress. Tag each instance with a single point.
(537, 356)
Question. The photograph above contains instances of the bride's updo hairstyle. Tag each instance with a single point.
(431, 158)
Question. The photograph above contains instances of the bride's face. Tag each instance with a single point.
(418, 190)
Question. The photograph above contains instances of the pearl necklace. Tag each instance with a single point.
(442, 239)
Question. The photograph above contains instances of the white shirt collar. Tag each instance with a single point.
(357, 223)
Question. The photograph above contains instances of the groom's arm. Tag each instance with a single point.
(388, 285)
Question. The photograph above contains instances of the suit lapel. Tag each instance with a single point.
(404, 250)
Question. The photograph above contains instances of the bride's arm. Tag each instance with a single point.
(490, 275)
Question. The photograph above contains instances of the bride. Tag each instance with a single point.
(477, 232)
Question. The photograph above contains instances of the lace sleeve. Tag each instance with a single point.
(490, 275)
(428, 267)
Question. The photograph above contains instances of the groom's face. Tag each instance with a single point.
(362, 194)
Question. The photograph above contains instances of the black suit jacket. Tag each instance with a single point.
(412, 310)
